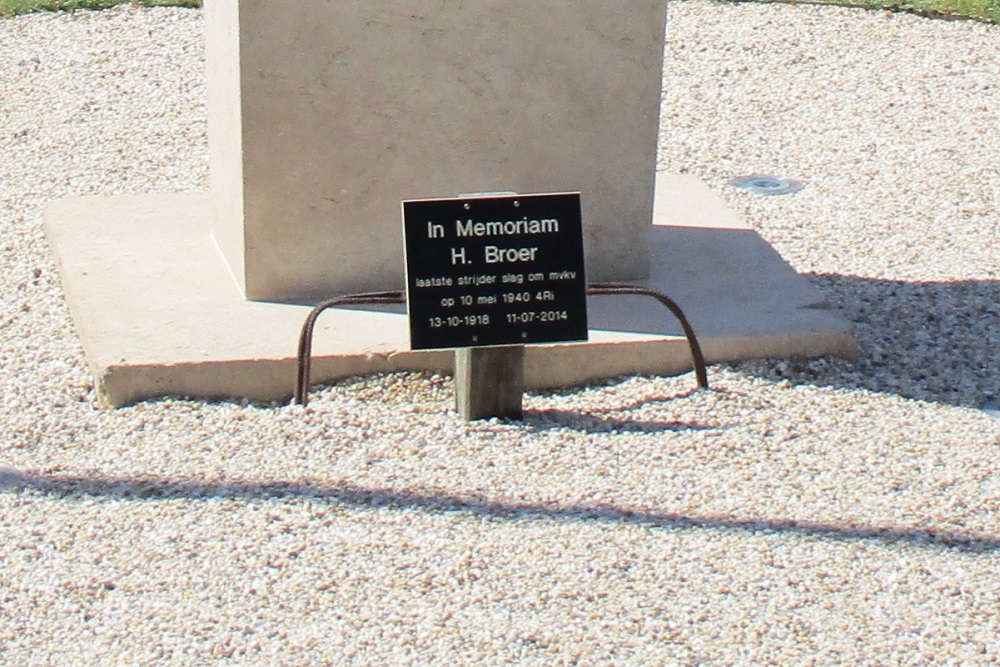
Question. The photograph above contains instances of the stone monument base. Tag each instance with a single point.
(160, 314)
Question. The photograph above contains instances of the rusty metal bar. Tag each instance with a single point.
(697, 357)
(306, 336)
(398, 296)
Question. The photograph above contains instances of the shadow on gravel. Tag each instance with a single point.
(152, 489)
(934, 341)
(543, 420)
(596, 421)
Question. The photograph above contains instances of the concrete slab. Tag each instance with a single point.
(160, 314)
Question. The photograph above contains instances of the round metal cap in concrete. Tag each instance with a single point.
(767, 185)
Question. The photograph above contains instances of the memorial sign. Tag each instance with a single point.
(494, 270)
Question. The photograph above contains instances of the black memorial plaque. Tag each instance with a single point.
(494, 270)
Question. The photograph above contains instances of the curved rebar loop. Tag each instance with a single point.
(398, 296)
(306, 336)
(624, 288)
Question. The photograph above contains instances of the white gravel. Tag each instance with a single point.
(799, 513)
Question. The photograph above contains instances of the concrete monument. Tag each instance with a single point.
(325, 115)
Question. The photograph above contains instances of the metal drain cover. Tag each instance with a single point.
(767, 185)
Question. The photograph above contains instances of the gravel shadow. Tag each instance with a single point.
(931, 341)
(151, 489)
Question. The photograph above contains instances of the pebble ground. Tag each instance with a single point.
(800, 512)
